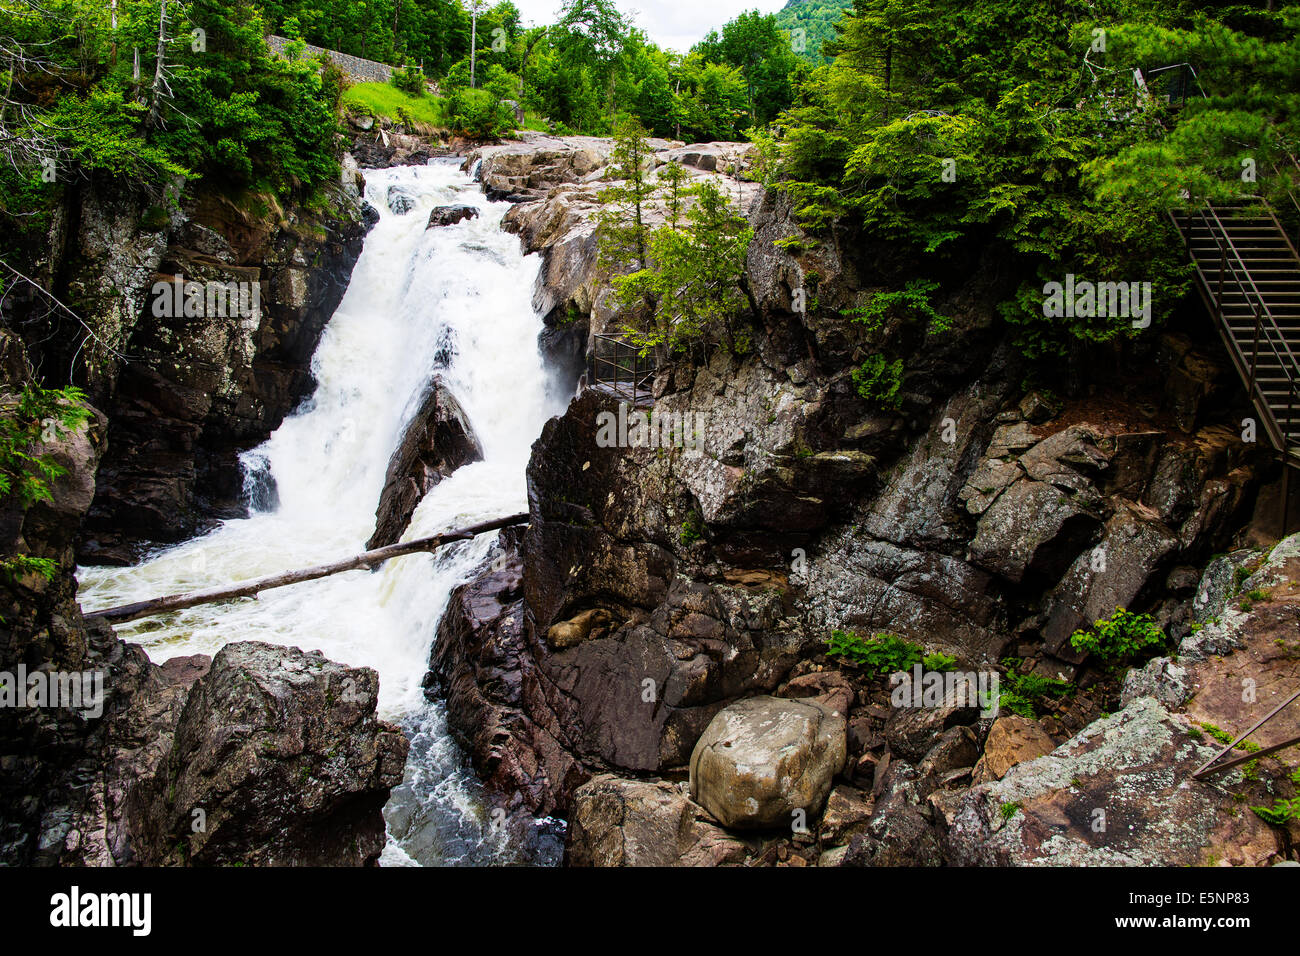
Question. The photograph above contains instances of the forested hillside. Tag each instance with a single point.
(938, 128)
(932, 126)
(817, 19)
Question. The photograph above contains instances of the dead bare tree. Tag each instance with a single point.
(27, 139)
(161, 88)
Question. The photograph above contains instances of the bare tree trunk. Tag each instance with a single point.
(159, 79)
(367, 559)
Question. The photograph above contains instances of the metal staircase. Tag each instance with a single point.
(1248, 273)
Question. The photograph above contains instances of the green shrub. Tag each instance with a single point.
(883, 654)
(1122, 636)
(408, 79)
(1020, 693)
(37, 415)
(478, 114)
(1281, 813)
(910, 304)
(692, 529)
(938, 662)
(880, 381)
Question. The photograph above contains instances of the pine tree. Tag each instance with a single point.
(621, 222)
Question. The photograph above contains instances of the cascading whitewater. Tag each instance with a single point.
(453, 301)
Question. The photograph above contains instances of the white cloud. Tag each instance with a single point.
(673, 24)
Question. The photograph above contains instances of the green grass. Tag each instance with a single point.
(535, 122)
(383, 99)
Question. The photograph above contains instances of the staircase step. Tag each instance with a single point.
(1249, 272)
(1249, 253)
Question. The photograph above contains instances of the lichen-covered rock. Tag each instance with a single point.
(762, 760)
(277, 759)
(1033, 528)
(1243, 657)
(1119, 793)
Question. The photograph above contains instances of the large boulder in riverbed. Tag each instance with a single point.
(400, 200)
(764, 758)
(278, 759)
(437, 441)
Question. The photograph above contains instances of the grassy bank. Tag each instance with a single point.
(383, 99)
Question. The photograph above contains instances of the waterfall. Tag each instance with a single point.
(451, 300)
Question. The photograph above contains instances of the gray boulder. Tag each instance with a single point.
(760, 760)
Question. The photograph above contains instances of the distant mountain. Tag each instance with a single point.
(817, 18)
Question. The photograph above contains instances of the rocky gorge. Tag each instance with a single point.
(647, 658)
(658, 601)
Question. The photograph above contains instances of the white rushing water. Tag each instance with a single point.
(454, 301)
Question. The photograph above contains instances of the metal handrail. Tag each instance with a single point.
(640, 372)
(1270, 330)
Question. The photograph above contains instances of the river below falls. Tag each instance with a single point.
(454, 301)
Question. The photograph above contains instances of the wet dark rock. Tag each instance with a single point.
(437, 441)
(400, 200)
(500, 705)
(450, 215)
(899, 832)
(912, 731)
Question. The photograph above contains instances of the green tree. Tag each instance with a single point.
(621, 221)
(755, 45)
(936, 128)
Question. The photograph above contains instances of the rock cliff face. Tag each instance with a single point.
(983, 518)
(202, 313)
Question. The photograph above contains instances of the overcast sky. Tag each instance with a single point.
(674, 24)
